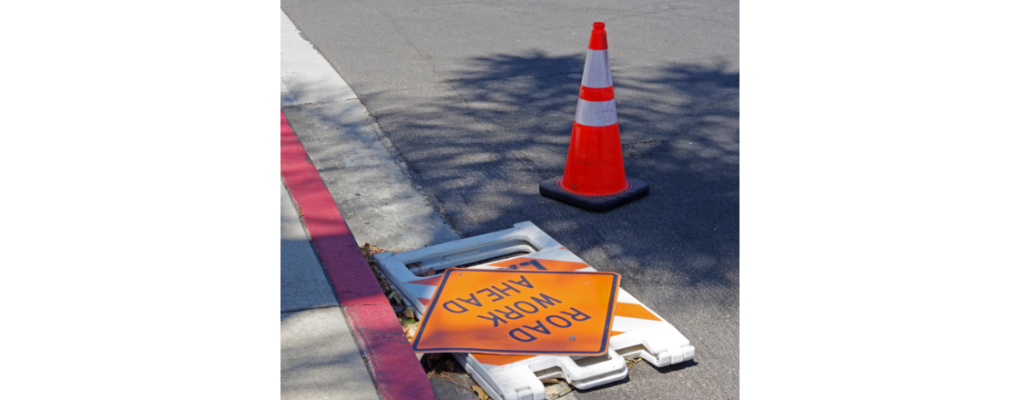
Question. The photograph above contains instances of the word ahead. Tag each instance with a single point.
(519, 312)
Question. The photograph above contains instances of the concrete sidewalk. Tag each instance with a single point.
(320, 358)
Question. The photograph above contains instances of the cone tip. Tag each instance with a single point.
(598, 37)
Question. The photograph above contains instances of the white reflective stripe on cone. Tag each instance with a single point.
(595, 113)
(596, 70)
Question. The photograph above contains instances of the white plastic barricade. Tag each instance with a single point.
(637, 330)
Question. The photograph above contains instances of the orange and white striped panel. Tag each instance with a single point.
(631, 315)
(423, 289)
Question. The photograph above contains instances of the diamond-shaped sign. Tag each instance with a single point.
(519, 312)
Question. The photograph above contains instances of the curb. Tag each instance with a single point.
(391, 361)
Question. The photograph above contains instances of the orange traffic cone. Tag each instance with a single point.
(594, 178)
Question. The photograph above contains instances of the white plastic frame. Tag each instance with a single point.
(660, 343)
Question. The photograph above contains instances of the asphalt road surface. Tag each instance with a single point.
(479, 97)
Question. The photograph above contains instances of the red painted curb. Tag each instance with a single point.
(352, 278)
(397, 371)
(387, 348)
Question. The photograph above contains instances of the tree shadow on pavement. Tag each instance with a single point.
(484, 151)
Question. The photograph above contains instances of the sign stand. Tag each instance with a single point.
(637, 331)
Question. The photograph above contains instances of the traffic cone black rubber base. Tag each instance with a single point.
(552, 189)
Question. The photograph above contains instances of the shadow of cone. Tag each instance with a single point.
(594, 178)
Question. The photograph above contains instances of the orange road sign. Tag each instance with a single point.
(519, 312)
